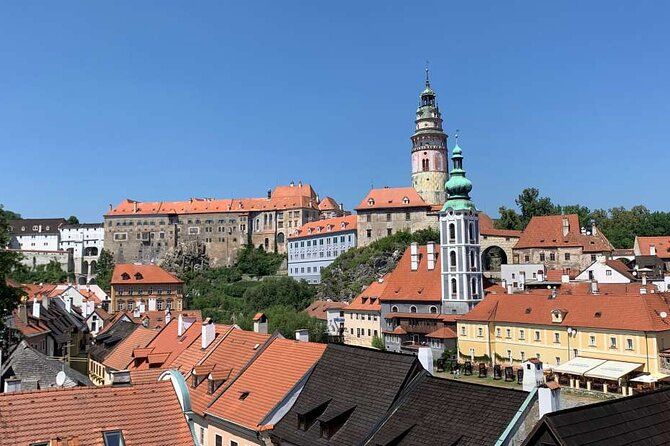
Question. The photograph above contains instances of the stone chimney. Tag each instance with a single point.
(644, 279)
(566, 226)
(594, 230)
(46, 300)
(134, 207)
(208, 333)
(414, 253)
(522, 280)
(168, 315)
(430, 248)
(23, 312)
(68, 304)
(261, 323)
(137, 312)
(36, 308)
(302, 335)
(549, 398)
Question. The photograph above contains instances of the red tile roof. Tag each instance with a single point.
(266, 382)
(147, 415)
(328, 204)
(167, 345)
(32, 326)
(392, 197)
(486, 227)
(122, 355)
(327, 226)
(621, 268)
(662, 245)
(368, 300)
(319, 308)
(547, 232)
(133, 274)
(642, 312)
(443, 333)
(422, 285)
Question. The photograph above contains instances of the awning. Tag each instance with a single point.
(612, 370)
(578, 366)
(654, 377)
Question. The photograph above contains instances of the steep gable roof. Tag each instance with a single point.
(368, 300)
(661, 244)
(122, 355)
(134, 274)
(547, 232)
(326, 227)
(422, 285)
(328, 204)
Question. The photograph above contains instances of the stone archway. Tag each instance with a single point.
(492, 258)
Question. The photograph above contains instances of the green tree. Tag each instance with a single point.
(509, 219)
(280, 291)
(104, 269)
(378, 343)
(532, 205)
(286, 320)
(9, 261)
(582, 212)
(256, 262)
(72, 220)
(52, 272)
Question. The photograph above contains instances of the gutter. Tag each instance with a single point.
(513, 426)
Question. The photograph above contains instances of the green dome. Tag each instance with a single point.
(428, 91)
(458, 187)
(457, 151)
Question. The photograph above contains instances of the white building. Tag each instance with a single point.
(317, 244)
(518, 276)
(607, 271)
(38, 239)
(84, 242)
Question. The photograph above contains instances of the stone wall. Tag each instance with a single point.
(379, 223)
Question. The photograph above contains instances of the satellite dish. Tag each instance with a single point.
(60, 378)
(664, 314)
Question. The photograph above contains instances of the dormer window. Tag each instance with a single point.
(138, 276)
(371, 201)
(243, 395)
(557, 316)
(125, 276)
(405, 200)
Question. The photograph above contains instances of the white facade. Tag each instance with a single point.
(601, 272)
(518, 275)
(84, 242)
(308, 255)
(462, 280)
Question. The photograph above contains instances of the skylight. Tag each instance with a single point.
(113, 438)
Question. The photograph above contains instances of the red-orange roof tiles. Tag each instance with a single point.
(421, 285)
(327, 226)
(443, 333)
(133, 274)
(167, 345)
(547, 232)
(392, 197)
(123, 353)
(266, 382)
(328, 204)
(147, 415)
(368, 300)
(319, 308)
(660, 244)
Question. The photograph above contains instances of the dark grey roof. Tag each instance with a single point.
(83, 226)
(107, 340)
(27, 224)
(36, 370)
(350, 388)
(436, 411)
(642, 419)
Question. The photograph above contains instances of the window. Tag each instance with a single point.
(480, 332)
(522, 334)
(408, 216)
(388, 216)
(508, 333)
(629, 344)
(592, 341)
(120, 236)
(593, 257)
(233, 443)
(567, 256)
(541, 257)
(608, 272)
(433, 309)
(452, 259)
(498, 332)
(389, 231)
(113, 438)
(557, 338)
(463, 330)
(523, 356)
(218, 440)
(552, 257)
(452, 232)
(412, 309)
(612, 342)
(394, 309)
(368, 233)
(202, 435)
(526, 258)
(537, 336)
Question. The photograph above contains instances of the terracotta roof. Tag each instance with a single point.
(167, 345)
(122, 355)
(228, 356)
(556, 275)
(31, 327)
(662, 245)
(422, 285)
(266, 382)
(443, 333)
(318, 308)
(397, 315)
(392, 197)
(132, 274)
(642, 312)
(327, 226)
(296, 190)
(547, 232)
(486, 227)
(147, 415)
(156, 318)
(621, 268)
(368, 300)
(328, 204)
(258, 316)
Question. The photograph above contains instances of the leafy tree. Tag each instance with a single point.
(256, 262)
(280, 291)
(9, 261)
(509, 219)
(532, 205)
(582, 212)
(286, 320)
(72, 220)
(104, 269)
(52, 272)
(378, 343)
(8, 215)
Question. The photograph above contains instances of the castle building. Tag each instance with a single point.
(462, 284)
(429, 149)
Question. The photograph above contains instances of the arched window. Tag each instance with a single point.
(412, 309)
(371, 201)
(472, 260)
(394, 309)
(452, 259)
(433, 309)
(280, 237)
(425, 165)
(452, 232)
(454, 288)
(471, 232)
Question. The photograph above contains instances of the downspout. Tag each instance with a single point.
(513, 426)
(646, 347)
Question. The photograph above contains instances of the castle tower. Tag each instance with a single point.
(429, 149)
(462, 284)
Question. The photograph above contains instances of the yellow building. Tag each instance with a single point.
(509, 329)
(362, 318)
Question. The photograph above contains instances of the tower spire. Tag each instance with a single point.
(458, 187)
(427, 76)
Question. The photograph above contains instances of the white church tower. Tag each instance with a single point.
(462, 284)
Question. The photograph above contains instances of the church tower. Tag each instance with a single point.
(429, 149)
(462, 282)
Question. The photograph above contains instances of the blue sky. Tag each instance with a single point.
(100, 101)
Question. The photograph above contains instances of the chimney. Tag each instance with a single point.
(292, 183)
(110, 207)
(342, 206)
(121, 378)
(299, 183)
(23, 312)
(594, 230)
(565, 277)
(180, 325)
(553, 294)
(12, 384)
(430, 249)
(602, 259)
(566, 226)
(643, 291)
(168, 315)
(503, 284)
(302, 335)
(549, 398)
(414, 253)
(594, 287)
(652, 250)
(509, 289)
(540, 275)
(522, 280)
(36, 308)
(68, 304)
(261, 323)
(136, 312)
(425, 355)
(583, 230)
(135, 207)
(269, 193)
(208, 333)
(45, 301)
(644, 279)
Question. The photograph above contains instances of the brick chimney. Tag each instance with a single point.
(23, 312)
(652, 250)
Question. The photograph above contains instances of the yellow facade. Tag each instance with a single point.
(510, 344)
(360, 327)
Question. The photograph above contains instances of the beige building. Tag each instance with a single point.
(362, 318)
(386, 211)
(509, 329)
(146, 231)
(147, 287)
(560, 243)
